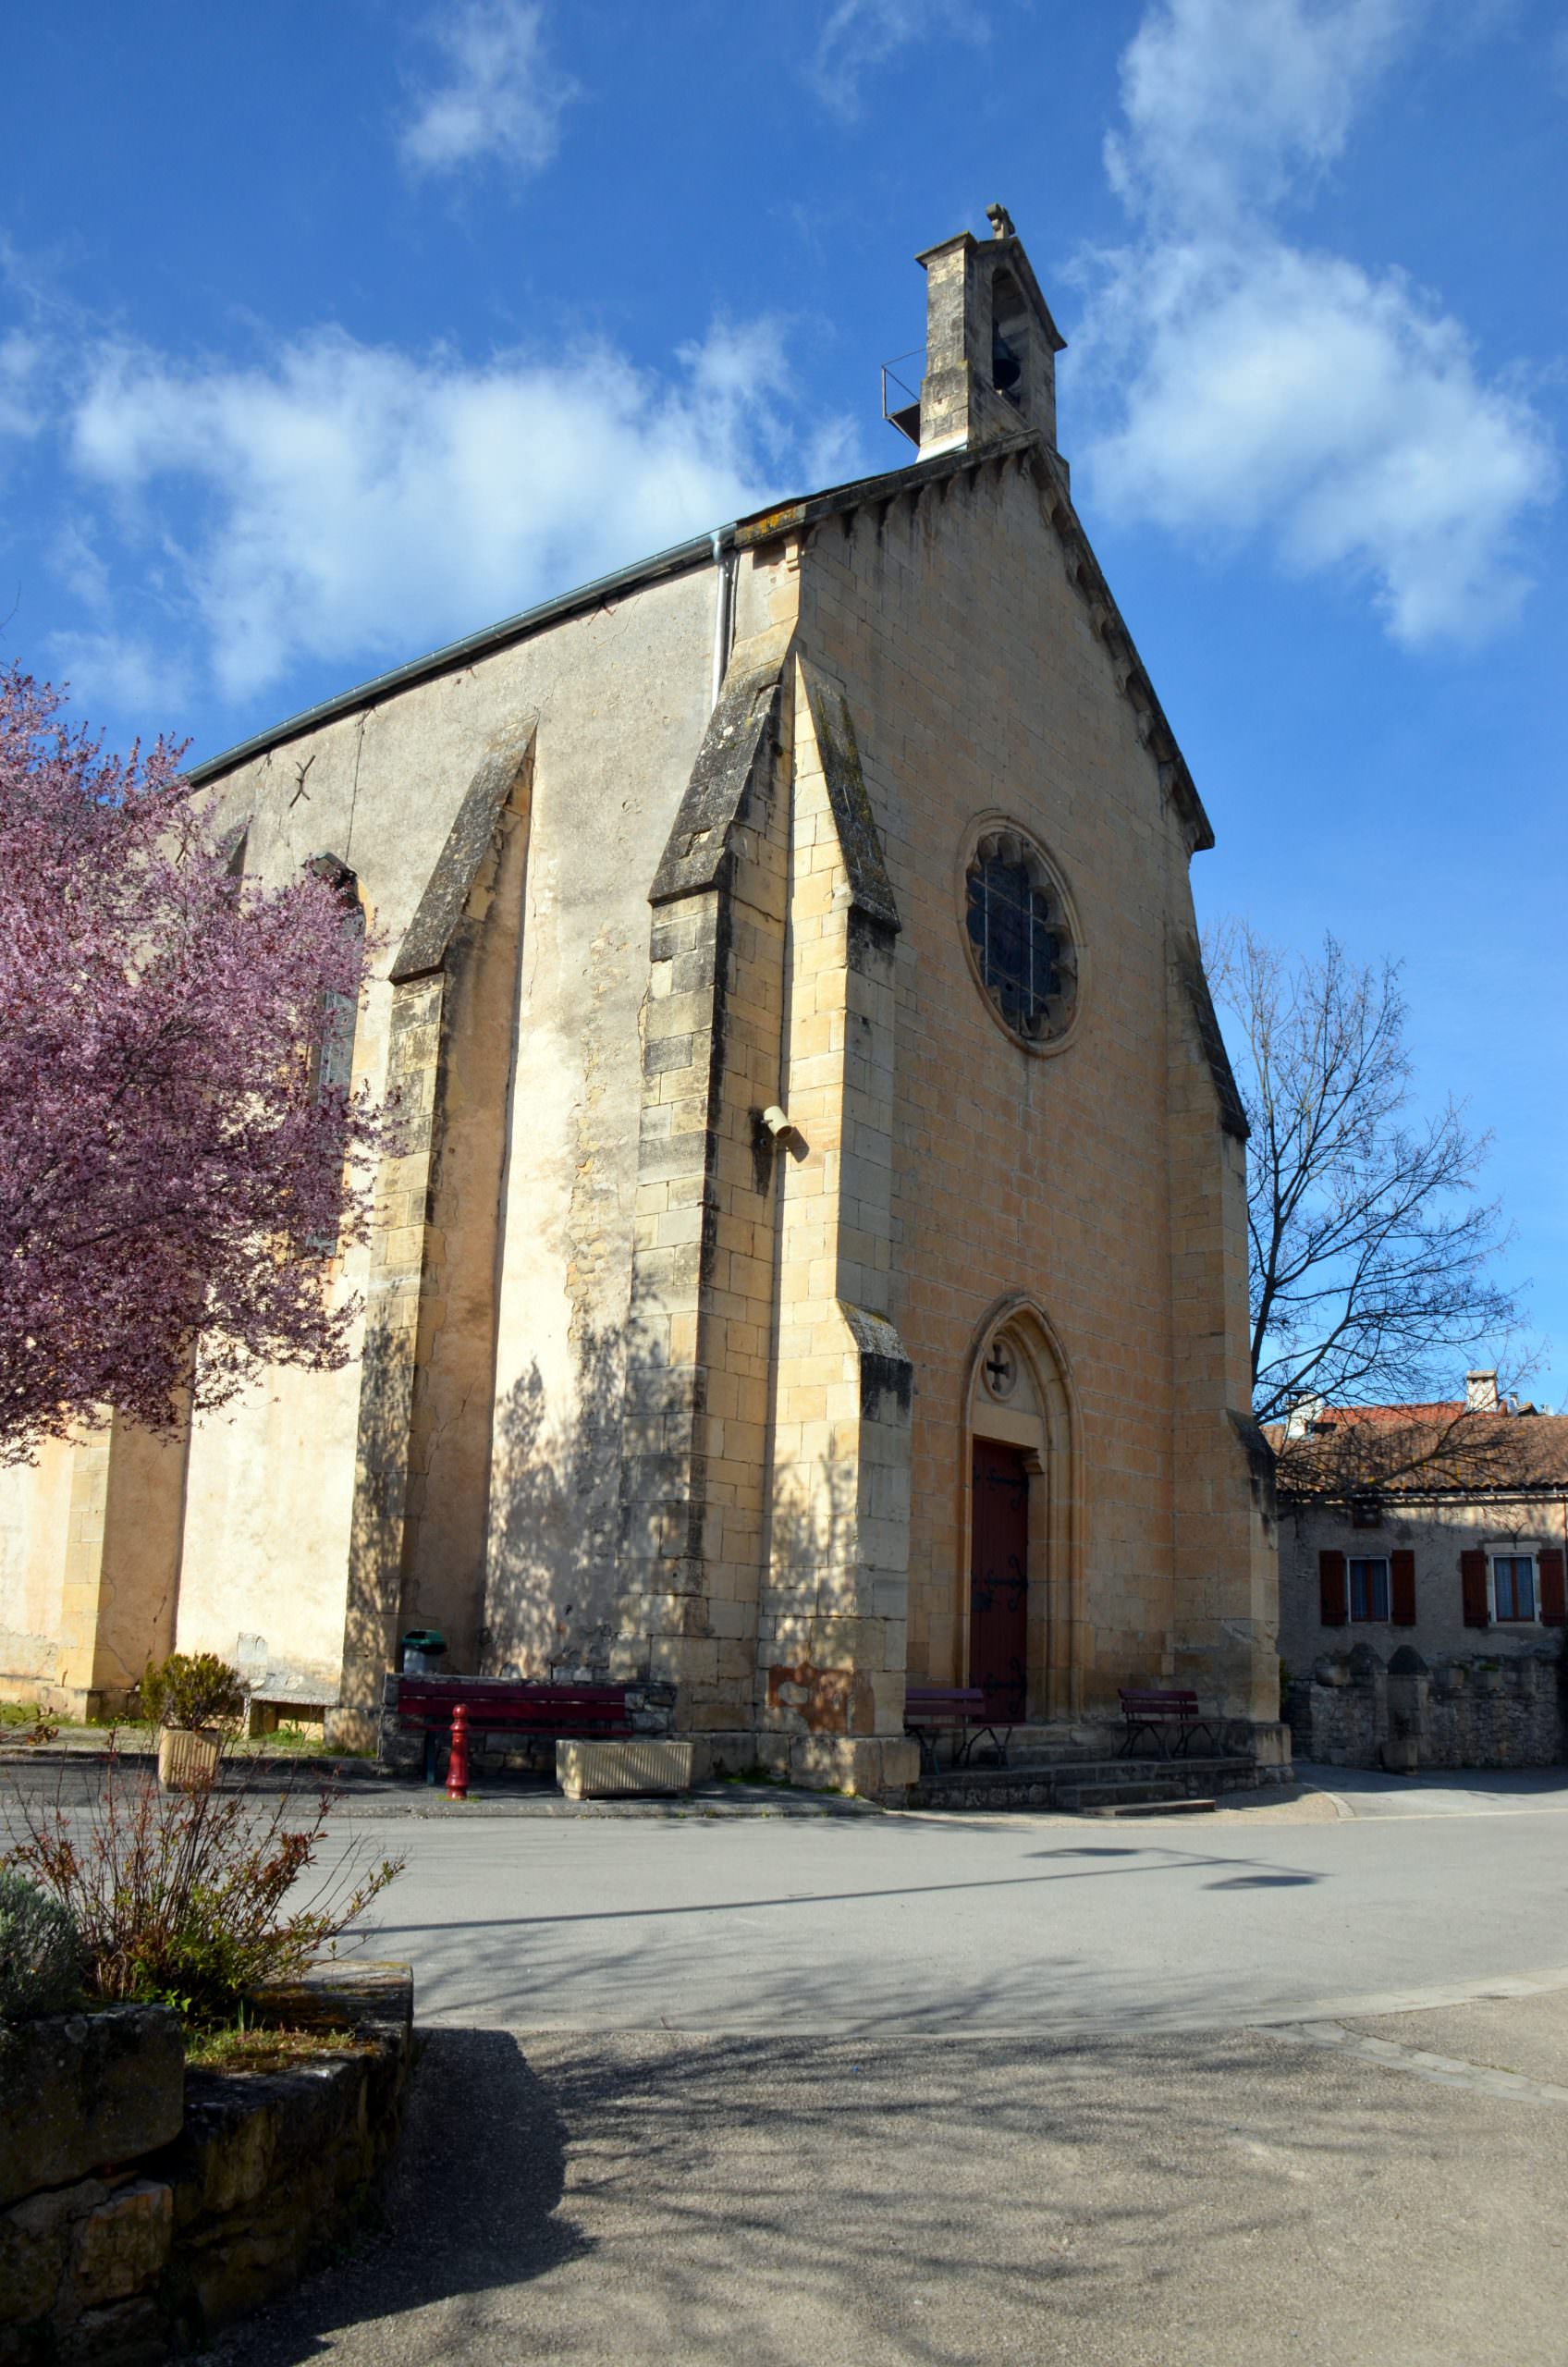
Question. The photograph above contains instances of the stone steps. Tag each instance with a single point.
(1137, 1800)
(1062, 1784)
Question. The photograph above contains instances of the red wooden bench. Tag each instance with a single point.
(508, 1705)
(960, 1709)
(1155, 1714)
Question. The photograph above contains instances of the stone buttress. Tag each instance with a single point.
(765, 1451)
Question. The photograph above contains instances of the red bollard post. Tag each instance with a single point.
(456, 1770)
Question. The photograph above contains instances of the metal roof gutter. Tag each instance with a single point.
(700, 551)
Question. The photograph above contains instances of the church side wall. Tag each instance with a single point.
(978, 688)
(1224, 1544)
(618, 735)
(34, 1527)
(619, 699)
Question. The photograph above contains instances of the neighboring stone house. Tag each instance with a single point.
(819, 1253)
(1422, 1598)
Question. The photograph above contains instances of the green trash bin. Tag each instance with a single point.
(423, 1651)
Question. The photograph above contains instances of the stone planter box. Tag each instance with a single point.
(187, 1758)
(144, 2206)
(602, 1771)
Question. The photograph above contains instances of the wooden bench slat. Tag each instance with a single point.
(930, 1709)
(1150, 1708)
(514, 1705)
(487, 1688)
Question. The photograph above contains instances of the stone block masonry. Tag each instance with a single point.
(79, 2090)
(140, 2219)
(1354, 1708)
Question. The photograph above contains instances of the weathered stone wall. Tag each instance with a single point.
(832, 1638)
(289, 1531)
(984, 679)
(417, 1551)
(90, 1540)
(34, 1527)
(699, 1348)
(1355, 1710)
(145, 2207)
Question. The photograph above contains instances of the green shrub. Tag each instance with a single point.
(192, 1690)
(41, 1952)
(184, 1898)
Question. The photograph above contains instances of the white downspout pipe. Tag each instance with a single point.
(724, 607)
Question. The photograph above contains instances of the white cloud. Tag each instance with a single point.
(1226, 101)
(497, 98)
(860, 34)
(1264, 388)
(352, 503)
(106, 669)
(21, 368)
(76, 560)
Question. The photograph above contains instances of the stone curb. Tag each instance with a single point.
(397, 1796)
(1442, 2070)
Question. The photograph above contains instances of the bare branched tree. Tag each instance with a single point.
(1372, 1254)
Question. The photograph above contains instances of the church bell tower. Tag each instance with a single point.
(990, 344)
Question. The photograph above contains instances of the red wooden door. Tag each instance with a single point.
(998, 1582)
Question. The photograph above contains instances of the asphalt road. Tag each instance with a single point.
(717, 1926)
(857, 2090)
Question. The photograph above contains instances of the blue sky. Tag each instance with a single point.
(327, 334)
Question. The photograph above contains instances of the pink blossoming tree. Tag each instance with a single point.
(180, 1149)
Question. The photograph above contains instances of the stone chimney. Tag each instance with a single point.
(991, 343)
(1480, 1393)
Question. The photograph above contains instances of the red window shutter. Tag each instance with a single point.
(1473, 1581)
(1402, 1583)
(1334, 1607)
(1554, 1609)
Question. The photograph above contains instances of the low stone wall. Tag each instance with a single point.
(1354, 1710)
(146, 2205)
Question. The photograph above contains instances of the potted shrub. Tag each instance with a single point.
(196, 1701)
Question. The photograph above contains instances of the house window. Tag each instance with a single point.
(1020, 938)
(1369, 1589)
(1514, 1585)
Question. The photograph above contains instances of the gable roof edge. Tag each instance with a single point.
(1029, 449)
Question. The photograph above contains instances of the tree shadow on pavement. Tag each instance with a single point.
(944, 2204)
(470, 2204)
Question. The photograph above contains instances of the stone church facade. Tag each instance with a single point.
(814, 1255)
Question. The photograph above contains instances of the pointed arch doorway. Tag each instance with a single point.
(1020, 1610)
